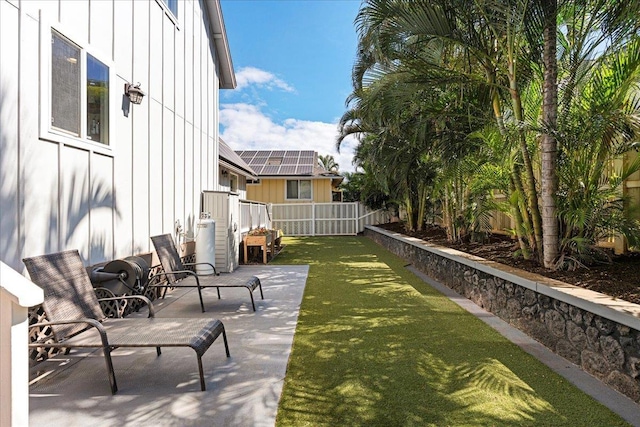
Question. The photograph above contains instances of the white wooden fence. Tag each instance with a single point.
(254, 215)
(324, 219)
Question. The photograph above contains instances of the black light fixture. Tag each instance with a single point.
(134, 93)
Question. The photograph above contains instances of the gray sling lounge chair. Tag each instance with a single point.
(75, 316)
(176, 273)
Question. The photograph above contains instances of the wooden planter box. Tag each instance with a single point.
(265, 241)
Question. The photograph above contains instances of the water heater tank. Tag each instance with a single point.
(205, 245)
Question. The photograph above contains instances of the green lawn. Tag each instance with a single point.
(376, 346)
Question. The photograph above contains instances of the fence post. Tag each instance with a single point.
(313, 218)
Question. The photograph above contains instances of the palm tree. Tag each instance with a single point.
(549, 146)
(328, 163)
(427, 71)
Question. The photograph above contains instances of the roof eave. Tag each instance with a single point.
(225, 64)
(236, 169)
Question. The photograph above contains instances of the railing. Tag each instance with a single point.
(324, 219)
(16, 295)
(254, 215)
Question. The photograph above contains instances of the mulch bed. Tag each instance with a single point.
(620, 279)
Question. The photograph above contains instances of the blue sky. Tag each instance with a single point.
(293, 61)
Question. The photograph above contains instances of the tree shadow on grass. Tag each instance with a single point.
(370, 349)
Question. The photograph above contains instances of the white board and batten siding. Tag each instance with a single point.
(62, 192)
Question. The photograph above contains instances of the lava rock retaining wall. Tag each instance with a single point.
(588, 328)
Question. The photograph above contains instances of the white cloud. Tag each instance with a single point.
(246, 127)
(248, 76)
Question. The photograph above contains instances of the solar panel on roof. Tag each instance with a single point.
(289, 161)
(270, 170)
(288, 170)
(259, 160)
(304, 170)
(277, 153)
(292, 154)
(306, 153)
(306, 161)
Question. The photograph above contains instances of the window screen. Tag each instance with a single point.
(65, 84)
(305, 189)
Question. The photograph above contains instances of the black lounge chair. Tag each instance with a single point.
(75, 316)
(176, 273)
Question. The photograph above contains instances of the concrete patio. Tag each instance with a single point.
(242, 390)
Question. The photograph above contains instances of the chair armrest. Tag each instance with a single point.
(93, 323)
(152, 311)
(215, 272)
(187, 272)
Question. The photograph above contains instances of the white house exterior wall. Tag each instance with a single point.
(107, 201)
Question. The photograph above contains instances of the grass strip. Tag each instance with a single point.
(376, 346)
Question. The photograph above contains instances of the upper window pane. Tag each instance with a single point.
(65, 84)
(97, 101)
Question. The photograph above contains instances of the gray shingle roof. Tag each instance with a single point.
(228, 155)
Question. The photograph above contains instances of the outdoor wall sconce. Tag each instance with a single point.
(225, 173)
(134, 93)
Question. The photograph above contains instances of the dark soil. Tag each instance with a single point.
(620, 279)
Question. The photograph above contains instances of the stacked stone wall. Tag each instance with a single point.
(604, 348)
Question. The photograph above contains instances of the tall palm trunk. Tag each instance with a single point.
(549, 145)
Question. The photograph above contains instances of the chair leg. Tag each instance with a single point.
(218, 289)
(158, 351)
(261, 294)
(203, 387)
(201, 301)
(253, 304)
(226, 344)
(112, 375)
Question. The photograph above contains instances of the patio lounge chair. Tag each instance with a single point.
(75, 316)
(176, 273)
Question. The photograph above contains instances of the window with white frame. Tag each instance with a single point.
(298, 189)
(78, 92)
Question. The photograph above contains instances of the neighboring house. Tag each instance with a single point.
(81, 167)
(289, 177)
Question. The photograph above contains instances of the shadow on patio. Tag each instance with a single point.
(242, 390)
